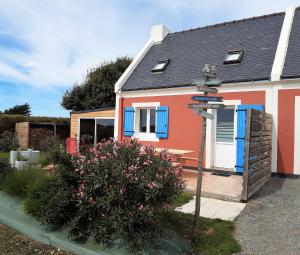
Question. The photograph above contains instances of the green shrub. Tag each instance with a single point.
(50, 146)
(5, 170)
(121, 191)
(109, 193)
(18, 181)
(8, 141)
(50, 201)
(37, 136)
(8, 122)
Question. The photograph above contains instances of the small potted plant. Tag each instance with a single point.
(22, 162)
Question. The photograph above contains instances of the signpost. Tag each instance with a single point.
(207, 98)
(207, 85)
(208, 90)
(205, 106)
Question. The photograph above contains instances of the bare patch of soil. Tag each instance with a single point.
(14, 243)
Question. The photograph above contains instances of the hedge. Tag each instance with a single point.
(8, 122)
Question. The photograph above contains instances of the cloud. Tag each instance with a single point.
(63, 40)
(58, 40)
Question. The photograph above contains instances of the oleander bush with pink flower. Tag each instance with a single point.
(117, 191)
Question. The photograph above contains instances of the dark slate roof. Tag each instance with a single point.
(292, 62)
(189, 50)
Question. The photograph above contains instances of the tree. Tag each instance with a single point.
(97, 91)
(23, 109)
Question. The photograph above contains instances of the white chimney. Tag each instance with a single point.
(159, 32)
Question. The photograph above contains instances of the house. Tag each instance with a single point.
(94, 125)
(258, 61)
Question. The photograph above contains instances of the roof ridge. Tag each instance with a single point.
(229, 22)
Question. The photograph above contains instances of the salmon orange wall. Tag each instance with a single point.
(184, 124)
(286, 127)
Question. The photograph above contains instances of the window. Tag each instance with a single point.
(225, 126)
(94, 130)
(87, 131)
(104, 129)
(234, 57)
(147, 120)
(160, 66)
(152, 120)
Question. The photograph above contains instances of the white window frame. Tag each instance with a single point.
(144, 136)
(95, 130)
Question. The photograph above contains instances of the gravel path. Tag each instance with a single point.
(270, 223)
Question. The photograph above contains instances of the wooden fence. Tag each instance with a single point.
(258, 152)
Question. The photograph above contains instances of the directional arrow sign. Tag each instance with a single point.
(206, 106)
(206, 89)
(209, 83)
(207, 99)
(205, 114)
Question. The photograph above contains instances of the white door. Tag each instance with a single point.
(225, 151)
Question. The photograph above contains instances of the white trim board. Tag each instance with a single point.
(297, 136)
(116, 129)
(283, 43)
(133, 65)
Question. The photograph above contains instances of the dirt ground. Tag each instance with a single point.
(13, 243)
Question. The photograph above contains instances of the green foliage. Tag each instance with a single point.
(18, 181)
(8, 141)
(214, 236)
(50, 201)
(8, 122)
(5, 169)
(121, 191)
(38, 138)
(109, 191)
(23, 109)
(97, 91)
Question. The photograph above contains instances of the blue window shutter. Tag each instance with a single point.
(128, 121)
(241, 133)
(162, 121)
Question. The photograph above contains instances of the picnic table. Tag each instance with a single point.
(176, 152)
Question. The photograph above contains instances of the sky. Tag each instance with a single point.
(46, 46)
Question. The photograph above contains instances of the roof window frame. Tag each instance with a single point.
(159, 70)
(234, 61)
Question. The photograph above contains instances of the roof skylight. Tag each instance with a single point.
(160, 66)
(233, 57)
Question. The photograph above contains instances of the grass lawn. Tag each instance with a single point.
(4, 155)
(43, 159)
(184, 198)
(214, 236)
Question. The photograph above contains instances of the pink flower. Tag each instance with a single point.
(81, 194)
(122, 190)
(152, 185)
